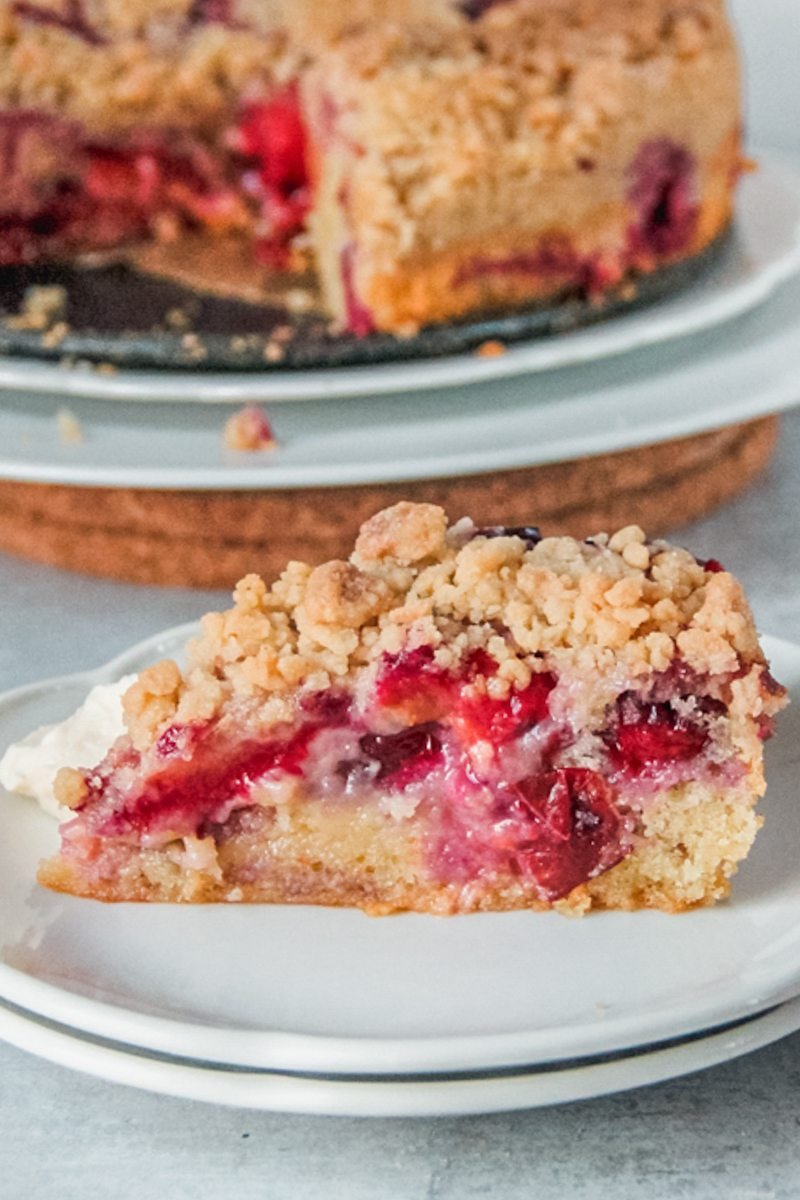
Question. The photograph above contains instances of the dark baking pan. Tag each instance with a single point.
(114, 314)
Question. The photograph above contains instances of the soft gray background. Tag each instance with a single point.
(731, 1132)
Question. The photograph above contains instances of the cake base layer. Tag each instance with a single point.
(206, 539)
(686, 849)
(512, 268)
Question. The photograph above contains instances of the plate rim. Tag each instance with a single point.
(396, 1098)
(776, 169)
(280, 1049)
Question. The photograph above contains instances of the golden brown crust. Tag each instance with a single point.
(428, 287)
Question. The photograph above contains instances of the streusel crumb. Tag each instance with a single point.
(42, 307)
(249, 429)
(406, 532)
(70, 430)
(339, 594)
(70, 788)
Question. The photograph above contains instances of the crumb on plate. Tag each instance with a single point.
(249, 429)
(42, 307)
(70, 430)
(490, 349)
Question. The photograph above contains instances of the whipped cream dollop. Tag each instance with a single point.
(30, 766)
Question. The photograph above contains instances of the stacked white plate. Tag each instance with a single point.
(722, 351)
(329, 1011)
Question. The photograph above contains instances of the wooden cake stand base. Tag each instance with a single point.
(210, 539)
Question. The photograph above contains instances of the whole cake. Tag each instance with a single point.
(454, 719)
(428, 159)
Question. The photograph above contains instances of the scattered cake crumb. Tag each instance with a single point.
(55, 335)
(249, 429)
(42, 307)
(491, 349)
(194, 347)
(177, 318)
(299, 300)
(70, 431)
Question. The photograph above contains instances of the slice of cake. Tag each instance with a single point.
(429, 159)
(453, 720)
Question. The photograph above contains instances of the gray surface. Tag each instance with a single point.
(732, 1131)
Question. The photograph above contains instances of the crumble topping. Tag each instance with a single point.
(544, 76)
(586, 608)
(166, 61)
(186, 79)
(339, 594)
(70, 787)
(183, 62)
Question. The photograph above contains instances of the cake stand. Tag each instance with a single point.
(655, 417)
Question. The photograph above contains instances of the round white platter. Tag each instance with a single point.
(303, 989)
(432, 1097)
(746, 368)
(764, 252)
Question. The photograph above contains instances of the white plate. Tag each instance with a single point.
(330, 991)
(765, 252)
(746, 368)
(431, 1097)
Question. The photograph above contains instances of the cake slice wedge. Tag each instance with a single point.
(455, 719)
